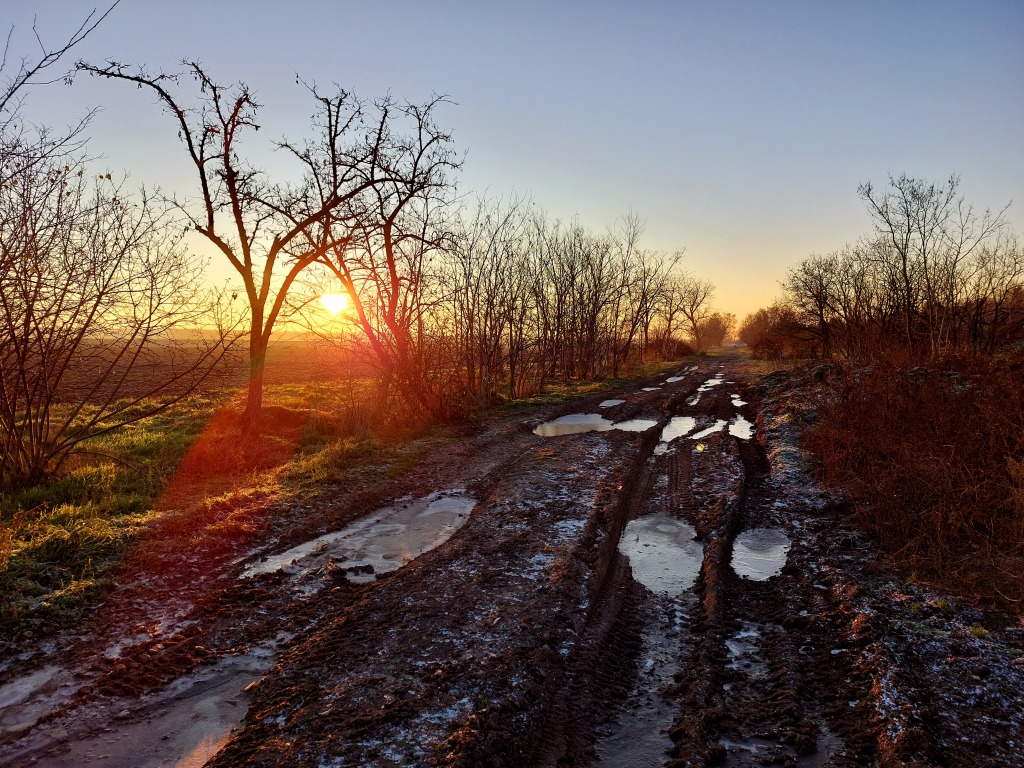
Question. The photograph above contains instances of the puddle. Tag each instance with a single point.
(760, 553)
(636, 425)
(379, 543)
(741, 428)
(575, 423)
(673, 379)
(718, 426)
(742, 648)
(610, 403)
(736, 400)
(707, 385)
(29, 698)
(663, 553)
(652, 389)
(189, 722)
(678, 426)
(755, 751)
(693, 400)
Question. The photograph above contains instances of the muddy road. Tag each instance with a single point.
(646, 578)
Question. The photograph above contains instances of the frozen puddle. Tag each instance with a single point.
(760, 553)
(741, 428)
(636, 425)
(379, 543)
(663, 553)
(678, 426)
(718, 426)
(575, 423)
(610, 403)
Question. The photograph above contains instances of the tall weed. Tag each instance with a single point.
(930, 458)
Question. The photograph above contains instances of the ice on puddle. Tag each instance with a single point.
(759, 554)
(663, 553)
(379, 543)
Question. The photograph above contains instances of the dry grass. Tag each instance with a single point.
(930, 458)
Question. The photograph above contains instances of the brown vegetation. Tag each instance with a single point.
(921, 429)
(931, 462)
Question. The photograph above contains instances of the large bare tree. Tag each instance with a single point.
(270, 231)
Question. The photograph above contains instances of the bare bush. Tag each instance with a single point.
(930, 461)
(92, 285)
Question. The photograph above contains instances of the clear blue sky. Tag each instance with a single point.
(738, 130)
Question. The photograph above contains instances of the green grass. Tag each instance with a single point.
(60, 539)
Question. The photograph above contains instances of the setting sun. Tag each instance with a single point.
(334, 302)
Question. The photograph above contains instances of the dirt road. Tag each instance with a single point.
(667, 588)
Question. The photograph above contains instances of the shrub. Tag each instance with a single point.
(930, 460)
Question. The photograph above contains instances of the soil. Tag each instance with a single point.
(524, 639)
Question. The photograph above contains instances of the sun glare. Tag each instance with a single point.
(334, 302)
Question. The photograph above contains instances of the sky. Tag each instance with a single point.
(738, 131)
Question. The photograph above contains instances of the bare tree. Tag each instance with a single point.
(715, 329)
(380, 254)
(92, 285)
(270, 232)
(23, 145)
(811, 287)
(695, 298)
(931, 236)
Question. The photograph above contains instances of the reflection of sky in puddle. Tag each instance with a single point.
(385, 540)
(610, 403)
(736, 400)
(636, 425)
(575, 423)
(708, 385)
(760, 553)
(678, 426)
(673, 379)
(662, 552)
(741, 428)
(718, 426)
(652, 389)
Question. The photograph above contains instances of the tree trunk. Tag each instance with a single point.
(254, 397)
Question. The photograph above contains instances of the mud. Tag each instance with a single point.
(613, 598)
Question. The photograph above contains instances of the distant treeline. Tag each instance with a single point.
(933, 276)
(509, 299)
